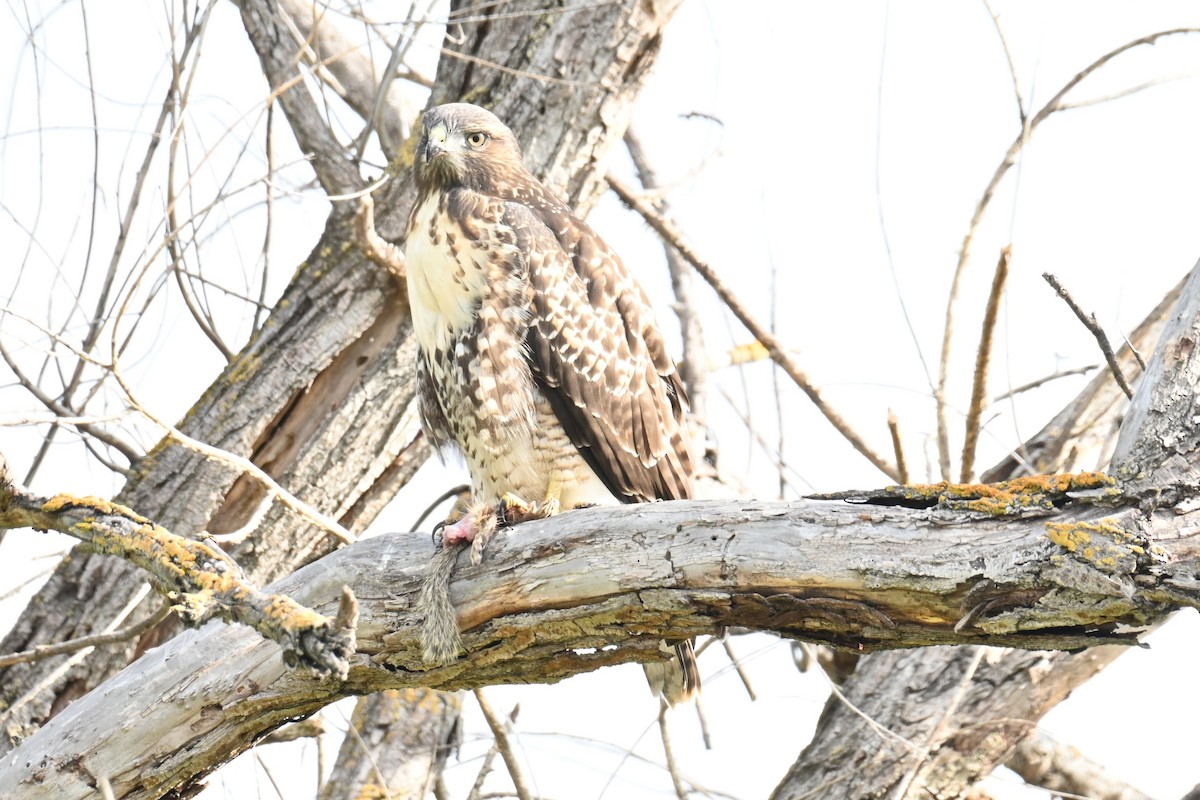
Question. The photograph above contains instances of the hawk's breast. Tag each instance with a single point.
(470, 297)
(445, 284)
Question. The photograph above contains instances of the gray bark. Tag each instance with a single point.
(398, 742)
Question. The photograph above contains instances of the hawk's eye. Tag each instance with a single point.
(477, 139)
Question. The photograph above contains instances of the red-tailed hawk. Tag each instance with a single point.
(539, 356)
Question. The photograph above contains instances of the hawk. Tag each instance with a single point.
(540, 359)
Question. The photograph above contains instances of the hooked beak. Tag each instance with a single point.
(435, 142)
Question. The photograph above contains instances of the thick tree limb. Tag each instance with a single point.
(603, 586)
(396, 746)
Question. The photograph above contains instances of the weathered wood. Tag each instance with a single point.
(1159, 446)
(398, 742)
(602, 586)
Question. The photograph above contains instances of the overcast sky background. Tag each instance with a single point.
(825, 157)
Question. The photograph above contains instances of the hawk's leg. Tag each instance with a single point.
(483, 518)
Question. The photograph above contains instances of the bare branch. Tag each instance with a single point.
(96, 640)
(202, 582)
(280, 55)
(691, 366)
(1051, 765)
(1039, 382)
(504, 746)
(672, 768)
(1089, 322)
(737, 665)
(1010, 158)
(983, 357)
(778, 354)
(897, 447)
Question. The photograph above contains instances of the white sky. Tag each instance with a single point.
(837, 124)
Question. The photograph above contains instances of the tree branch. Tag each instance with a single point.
(778, 354)
(202, 582)
(1047, 764)
(602, 586)
(280, 55)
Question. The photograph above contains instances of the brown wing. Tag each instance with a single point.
(599, 357)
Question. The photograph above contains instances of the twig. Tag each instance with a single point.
(737, 665)
(778, 354)
(777, 459)
(672, 767)
(983, 359)
(1012, 67)
(484, 770)
(1025, 387)
(691, 370)
(505, 746)
(1089, 322)
(894, 429)
(698, 704)
(1141, 362)
(95, 640)
(270, 778)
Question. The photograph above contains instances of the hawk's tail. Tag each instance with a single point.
(677, 679)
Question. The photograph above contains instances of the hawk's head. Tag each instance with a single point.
(465, 145)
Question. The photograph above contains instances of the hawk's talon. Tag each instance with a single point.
(512, 509)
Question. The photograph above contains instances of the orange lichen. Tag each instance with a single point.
(1007, 497)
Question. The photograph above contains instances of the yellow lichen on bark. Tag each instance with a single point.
(1007, 497)
(98, 504)
(1104, 544)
